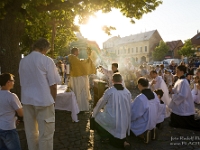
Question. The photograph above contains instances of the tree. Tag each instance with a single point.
(186, 50)
(24, 21)
(160, 51)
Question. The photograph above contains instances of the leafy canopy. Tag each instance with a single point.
(55, 18)
(160, 51)
(186, 50)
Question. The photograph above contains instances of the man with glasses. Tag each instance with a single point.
(39, 79)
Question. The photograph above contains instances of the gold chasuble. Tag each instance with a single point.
(80, 67)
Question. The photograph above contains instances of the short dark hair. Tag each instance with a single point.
(115, 64)
(153, 71)
(4, 78)
(73, 50)
(41, 44)
(143, 81)
(159, 92)
(117, 77)
(182, 68)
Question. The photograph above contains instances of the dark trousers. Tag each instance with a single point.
(185, 122)
(116, 142)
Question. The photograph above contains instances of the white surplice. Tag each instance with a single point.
(160, 84)
(109, 75)
(145, 114)
(80, 87)
(116, 115)
(182, 102)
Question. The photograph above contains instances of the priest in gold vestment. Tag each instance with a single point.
(79, 81)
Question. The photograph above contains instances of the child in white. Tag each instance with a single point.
(9, 105)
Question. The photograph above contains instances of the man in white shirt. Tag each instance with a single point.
(182, 103)
(146, 112)
(113, 123)
(9, 105)
(39, 79)
(109, 73)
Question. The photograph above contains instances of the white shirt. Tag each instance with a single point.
(37, 73)
(182, 101)
(9, 103)
(145, 114)
(116, 116)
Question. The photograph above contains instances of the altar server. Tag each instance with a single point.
(109, 73)
(113, 123)
(146, 112)
(159, 83)
(182, 103)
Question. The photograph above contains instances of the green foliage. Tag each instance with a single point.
(41, 17)
(107, 29)
(160, 51)
(186, 50)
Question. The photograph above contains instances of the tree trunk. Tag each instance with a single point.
(10, 34)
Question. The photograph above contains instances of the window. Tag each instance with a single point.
(128, 50)
(145, 48)
(118, 51)
(140, 49)
(124, 51)
(136, 49)
(132, 50)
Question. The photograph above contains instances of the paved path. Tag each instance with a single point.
(77, 136)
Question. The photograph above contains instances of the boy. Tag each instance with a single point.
(9, 105)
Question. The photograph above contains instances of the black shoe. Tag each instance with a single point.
(147, 136)
(154, 134)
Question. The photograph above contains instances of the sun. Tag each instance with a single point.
(93, 29)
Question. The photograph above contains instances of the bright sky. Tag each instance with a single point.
(174, 20)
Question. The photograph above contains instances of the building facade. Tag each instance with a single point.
(174, 46)
(138, 47)
(196, 43)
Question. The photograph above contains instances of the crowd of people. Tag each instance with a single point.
(165, 92)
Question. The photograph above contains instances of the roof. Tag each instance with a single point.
(174, 44)
(196, 39)
(134, 38)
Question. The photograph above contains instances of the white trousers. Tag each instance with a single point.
(39, 126)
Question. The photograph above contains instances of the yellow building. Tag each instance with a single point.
(137, 47)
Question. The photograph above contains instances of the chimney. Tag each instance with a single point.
(197, 31)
